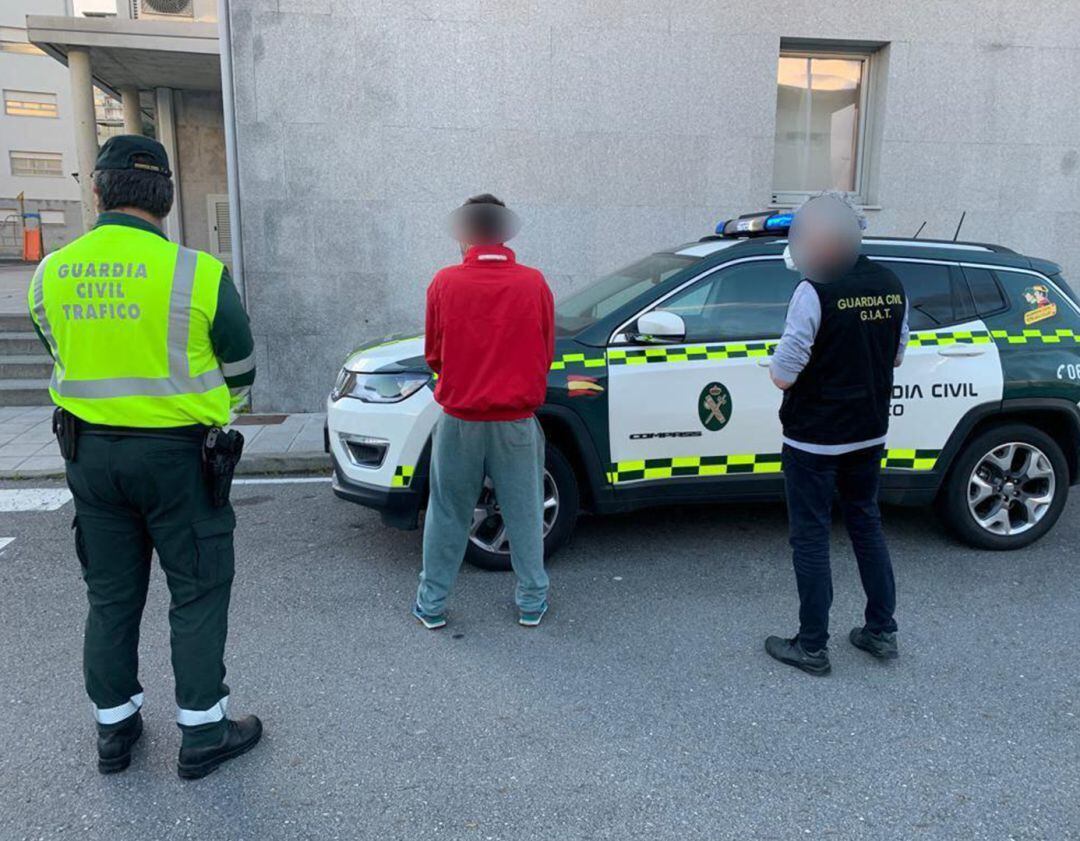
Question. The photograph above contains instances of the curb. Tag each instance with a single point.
(250, 465)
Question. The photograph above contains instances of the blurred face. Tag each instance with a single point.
(824, 238)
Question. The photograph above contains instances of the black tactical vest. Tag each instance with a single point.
(842, 395)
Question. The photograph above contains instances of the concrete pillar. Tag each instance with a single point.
(129, 98)
(82, 106)
(166, 135)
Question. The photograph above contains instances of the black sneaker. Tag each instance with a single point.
(881, 644)
(791, 651)
(240, 737)
(114, 745)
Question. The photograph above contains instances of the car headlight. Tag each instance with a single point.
(378, 388)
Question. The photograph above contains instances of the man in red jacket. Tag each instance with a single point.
(490, 337)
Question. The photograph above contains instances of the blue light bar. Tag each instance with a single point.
(779, 221)
(756, 224)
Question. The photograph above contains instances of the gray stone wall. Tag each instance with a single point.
(614, 127)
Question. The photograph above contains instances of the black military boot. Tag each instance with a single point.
(791, 651)
(881, 644)
(240, 737)
(114, 744)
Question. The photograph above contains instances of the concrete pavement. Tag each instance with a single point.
(272, 443)
(643, 707)
(14, 281)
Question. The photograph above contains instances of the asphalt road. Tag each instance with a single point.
(643, 708)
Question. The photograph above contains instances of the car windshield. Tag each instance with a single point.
(586, 306)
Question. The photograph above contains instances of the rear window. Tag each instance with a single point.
(985, 290)
(1037, 299)
(937, 295)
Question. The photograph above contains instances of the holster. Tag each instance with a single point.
(65, 428)
(220, 454)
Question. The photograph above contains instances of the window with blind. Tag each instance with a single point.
(43, 164)
(30, 104)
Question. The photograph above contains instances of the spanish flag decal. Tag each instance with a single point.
(582, 386)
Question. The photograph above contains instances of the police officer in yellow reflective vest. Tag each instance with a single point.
(151, 347)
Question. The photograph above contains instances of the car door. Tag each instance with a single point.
(950, 367)
(702, 409)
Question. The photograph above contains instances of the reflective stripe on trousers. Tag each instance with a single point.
(114, 715)
(178, 382)
(193, 718)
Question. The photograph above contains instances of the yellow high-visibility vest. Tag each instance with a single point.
(127, 316)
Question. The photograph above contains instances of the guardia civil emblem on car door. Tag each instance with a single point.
(714, 407)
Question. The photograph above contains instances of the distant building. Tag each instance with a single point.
(132, 66)
(37, 142)
(146, 67)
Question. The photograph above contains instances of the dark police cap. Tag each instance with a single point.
(484, 220)
(133, 151)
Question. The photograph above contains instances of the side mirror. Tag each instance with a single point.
(660, 327)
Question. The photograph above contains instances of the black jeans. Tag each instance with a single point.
(812, 481)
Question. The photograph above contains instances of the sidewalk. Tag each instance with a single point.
(273, 443)
(14, 281)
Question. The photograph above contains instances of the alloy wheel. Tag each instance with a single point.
(488, 530)
(1011, 488)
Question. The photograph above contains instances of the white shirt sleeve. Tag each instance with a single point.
(904, 333)
(800, 329)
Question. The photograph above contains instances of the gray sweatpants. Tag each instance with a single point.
(462, 454)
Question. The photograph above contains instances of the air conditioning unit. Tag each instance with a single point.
(163, 9)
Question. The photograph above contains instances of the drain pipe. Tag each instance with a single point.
(228, 105)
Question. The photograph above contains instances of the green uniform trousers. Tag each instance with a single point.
(135, 494)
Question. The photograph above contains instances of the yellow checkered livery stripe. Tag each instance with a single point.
(744, 350)
(925, 338)
(579, 360)
(403, 475)
(680, 466)
(1064, 335)
(1031, 336)
(689, 353)
(750, 463)
(910, 459)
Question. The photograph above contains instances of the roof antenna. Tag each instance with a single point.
(958, 227)
(923, 225)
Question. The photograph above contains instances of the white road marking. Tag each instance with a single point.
(293, 481)
(5, 541)
(34, 499)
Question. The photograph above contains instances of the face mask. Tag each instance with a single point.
(789, 261)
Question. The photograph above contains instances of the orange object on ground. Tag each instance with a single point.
(33, 247)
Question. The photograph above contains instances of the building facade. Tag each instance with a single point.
(37, 142)
(149, 66)
(616, 127)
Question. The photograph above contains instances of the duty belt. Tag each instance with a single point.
(185, 433)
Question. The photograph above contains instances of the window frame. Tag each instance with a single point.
(12, 96)
(23, 153)
(871, 57)
(1002, 291)
(620, 336)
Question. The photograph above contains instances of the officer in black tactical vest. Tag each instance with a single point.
(846, 330)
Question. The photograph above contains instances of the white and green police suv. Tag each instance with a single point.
(659, 392)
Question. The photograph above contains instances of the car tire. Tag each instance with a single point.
(562, 475)
(968, 518)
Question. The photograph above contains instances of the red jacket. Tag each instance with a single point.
(490, 336)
